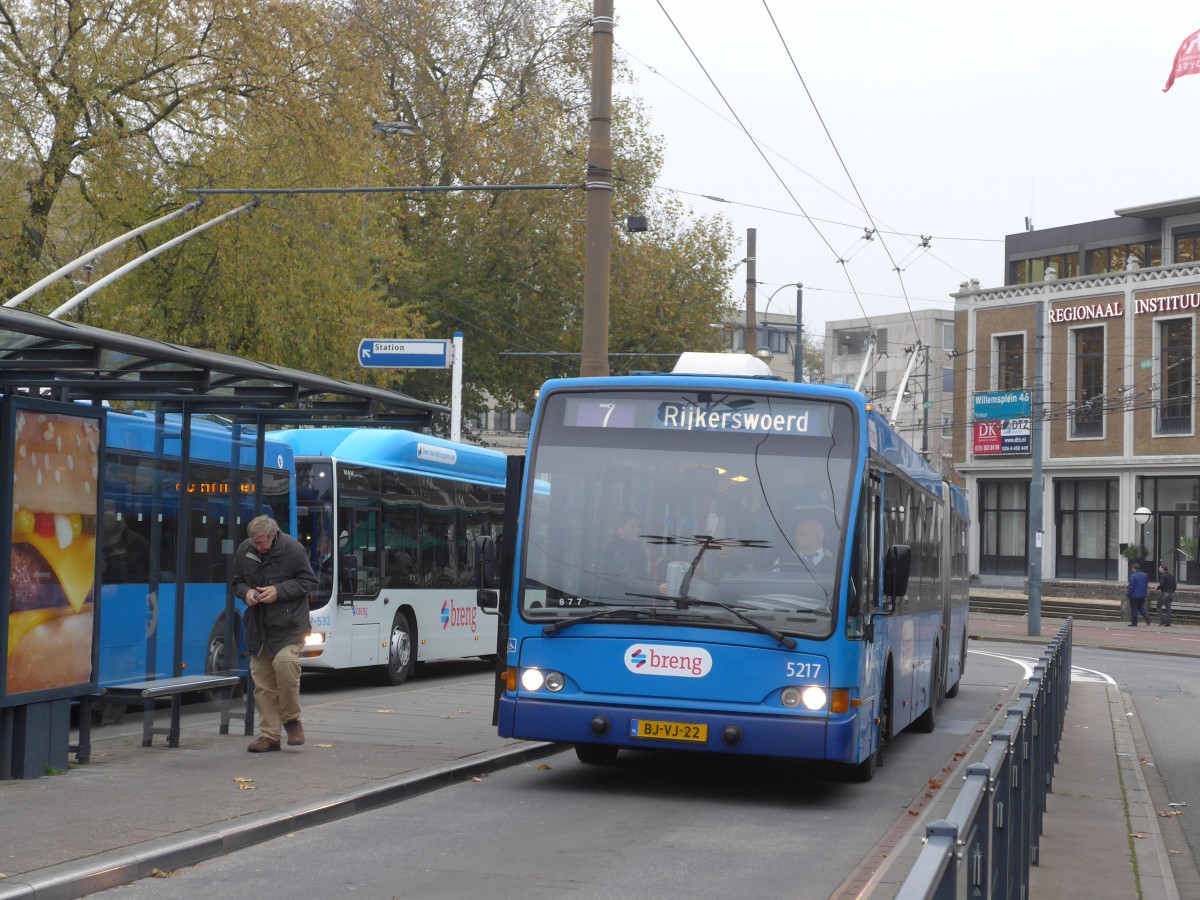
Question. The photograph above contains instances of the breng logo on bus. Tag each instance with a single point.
(659, 659)
(458, 616)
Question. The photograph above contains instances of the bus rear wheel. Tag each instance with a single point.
(400, 652)
(216, 660)
(596, 754)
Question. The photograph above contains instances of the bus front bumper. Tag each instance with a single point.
(835, 738)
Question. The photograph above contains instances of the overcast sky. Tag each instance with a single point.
(955, 120)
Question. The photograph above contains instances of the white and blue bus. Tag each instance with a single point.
(392, 521)
(727, 563)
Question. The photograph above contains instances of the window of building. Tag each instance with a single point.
(1003, 527)
(503, 419)
(1010, 362)
(773, 339)
(947, 382)
(1175, 388)
(880, 384)
(1087, 415)
(947, 425)
(1086, 510)
(521, 421)
(1187, 246)
(947, 335)
(1116, 258)
(852, 342)
(1028, 271)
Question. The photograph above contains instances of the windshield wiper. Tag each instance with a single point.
(688, 602)
(603, 614)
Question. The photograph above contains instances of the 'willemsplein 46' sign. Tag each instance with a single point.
(1001, 423)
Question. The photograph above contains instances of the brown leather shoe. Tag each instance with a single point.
(263, 744)
(295, 732)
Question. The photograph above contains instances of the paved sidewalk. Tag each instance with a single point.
(133, 810)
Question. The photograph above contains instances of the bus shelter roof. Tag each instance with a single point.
(45, 357)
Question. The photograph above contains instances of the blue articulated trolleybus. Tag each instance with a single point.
(726, 562)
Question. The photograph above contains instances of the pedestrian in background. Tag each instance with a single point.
(1139, 584)
(271, 572)
(1166, 595)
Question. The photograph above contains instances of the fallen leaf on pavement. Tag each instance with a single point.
(325, 745)
(1140, 835)
(386, 712)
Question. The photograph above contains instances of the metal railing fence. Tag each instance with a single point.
(990, 838)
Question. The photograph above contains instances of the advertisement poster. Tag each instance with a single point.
(1009, 437)
(51, 467)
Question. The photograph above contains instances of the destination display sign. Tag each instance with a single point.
(700, 413)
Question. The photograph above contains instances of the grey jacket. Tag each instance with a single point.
(286, 566)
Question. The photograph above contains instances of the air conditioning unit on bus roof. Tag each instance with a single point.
(740, 364)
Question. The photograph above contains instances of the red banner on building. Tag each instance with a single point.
(987, 438)
(1187, 59)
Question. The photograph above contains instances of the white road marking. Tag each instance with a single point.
(1078, 673)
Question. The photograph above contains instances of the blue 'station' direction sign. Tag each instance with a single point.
(397, 353)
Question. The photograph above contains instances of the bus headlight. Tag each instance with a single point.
(790, 697)
(814, 698)
(536, 679)
(315, 639)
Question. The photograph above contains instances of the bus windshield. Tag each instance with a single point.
(314, 522)
(688, 509)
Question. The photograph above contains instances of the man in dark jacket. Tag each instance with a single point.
(271, 572)
(1139, 581)
(1166, 595)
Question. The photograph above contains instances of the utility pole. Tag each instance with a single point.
(1036, 486)
(799, 375)
(598, 186)
(925, 411)
(750, 340)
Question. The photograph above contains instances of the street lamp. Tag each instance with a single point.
(767, 327)
(1141, 515)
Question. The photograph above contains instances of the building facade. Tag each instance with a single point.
(1087, 358)
(924, 413)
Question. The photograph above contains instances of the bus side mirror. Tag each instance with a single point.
(896, 565)
(488, 600)
(485, 561)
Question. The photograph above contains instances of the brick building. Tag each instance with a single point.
(1116, 303)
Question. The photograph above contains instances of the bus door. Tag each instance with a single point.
(359, 563)
(899, 518)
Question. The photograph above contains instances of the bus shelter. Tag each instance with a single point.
(174, 475)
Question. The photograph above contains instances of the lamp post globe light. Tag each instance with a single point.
(1142, 515)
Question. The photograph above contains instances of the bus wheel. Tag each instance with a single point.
(400, 651)
(216, 661)
(596, 754)
(925, 722)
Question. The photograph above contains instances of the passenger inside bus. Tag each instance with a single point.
(625, 553)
